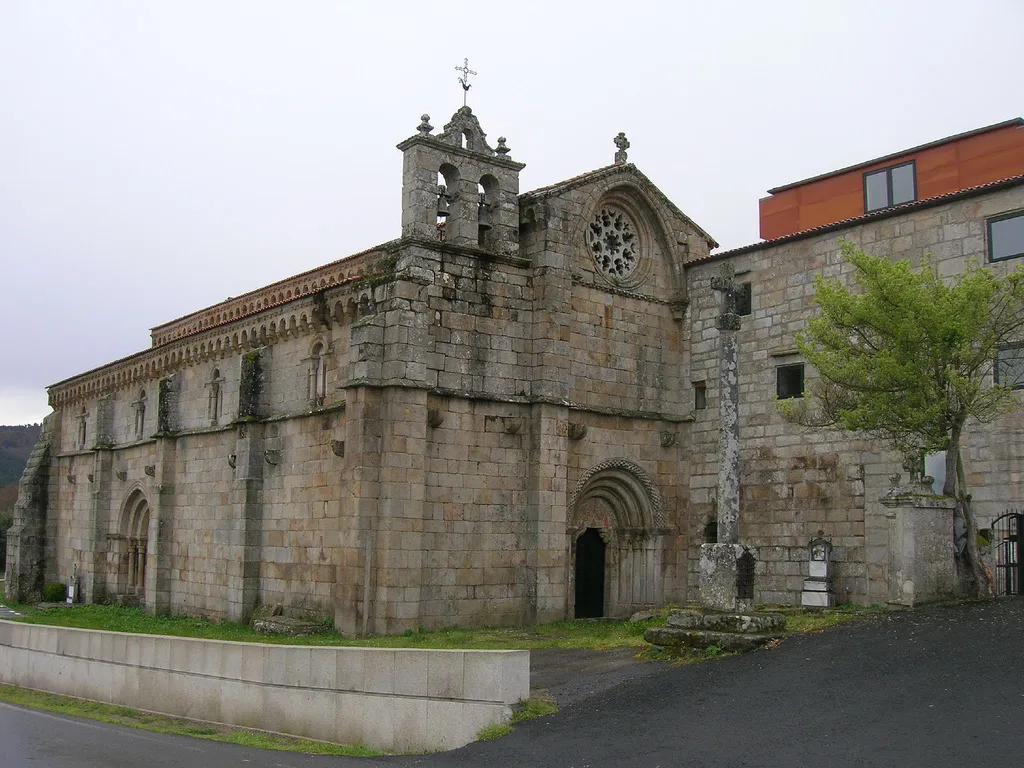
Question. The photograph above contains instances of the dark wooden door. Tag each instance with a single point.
(590, 575)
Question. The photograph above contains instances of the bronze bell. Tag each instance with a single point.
(442, 201)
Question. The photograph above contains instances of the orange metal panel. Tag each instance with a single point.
(780, 224)
(835, 209)
(992, 167)
(989, 143)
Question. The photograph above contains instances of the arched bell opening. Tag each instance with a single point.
(447, 186)
(487, 193)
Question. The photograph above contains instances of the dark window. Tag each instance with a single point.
(789, 380)
(743, 300)
(890, 186)
(1010, 366)
(1006, 236)
(711, 532)
(700, 395)
(745, 576)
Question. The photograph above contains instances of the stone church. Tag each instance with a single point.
(506, 415)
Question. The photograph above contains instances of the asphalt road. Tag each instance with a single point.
(941, 686)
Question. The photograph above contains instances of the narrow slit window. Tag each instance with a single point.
(700, 395)
(743, 300)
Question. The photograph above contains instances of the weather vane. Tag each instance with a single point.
(464, 80)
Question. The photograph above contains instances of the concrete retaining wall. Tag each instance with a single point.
(395, 700)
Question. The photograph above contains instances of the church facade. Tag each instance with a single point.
(506, 415)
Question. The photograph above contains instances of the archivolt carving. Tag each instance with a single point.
(629, 490)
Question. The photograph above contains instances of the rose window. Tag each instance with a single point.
(614, 244)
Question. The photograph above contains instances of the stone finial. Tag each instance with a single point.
(502, 150)
(622, 143)
(425, 127)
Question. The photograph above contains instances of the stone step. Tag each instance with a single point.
(744, 623)
(675, 637)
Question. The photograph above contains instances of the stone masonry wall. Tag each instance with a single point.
(475, 521)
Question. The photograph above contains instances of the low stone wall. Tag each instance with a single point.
(395, 700)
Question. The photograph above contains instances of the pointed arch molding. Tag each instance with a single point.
(632, 495)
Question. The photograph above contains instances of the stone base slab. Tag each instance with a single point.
(814, 599)
(674, 637)
(743, 623)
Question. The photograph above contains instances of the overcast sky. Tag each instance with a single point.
(158, 157)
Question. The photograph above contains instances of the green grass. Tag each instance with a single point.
(529, 709)
(107, 713)
(816, 619)
(585, 633)
(494, 731)
(559, 634)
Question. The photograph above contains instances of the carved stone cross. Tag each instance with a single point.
(622, 144)
(728, 320)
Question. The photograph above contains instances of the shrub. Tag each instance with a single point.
(55, 592)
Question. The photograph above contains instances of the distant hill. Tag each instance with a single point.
(16, 444)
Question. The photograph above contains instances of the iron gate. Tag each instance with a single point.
(1008, 542)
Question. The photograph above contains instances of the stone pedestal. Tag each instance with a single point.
(921, 556)
(719, 572)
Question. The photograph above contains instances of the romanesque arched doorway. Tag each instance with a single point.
(132, 545)
(616, 541)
